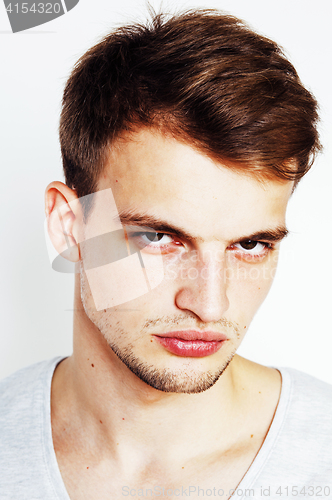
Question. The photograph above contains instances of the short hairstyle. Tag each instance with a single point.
(202, 76)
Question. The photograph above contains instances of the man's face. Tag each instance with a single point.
(219, 233)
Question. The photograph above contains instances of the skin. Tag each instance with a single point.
(199, 420)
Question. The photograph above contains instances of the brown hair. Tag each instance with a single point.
(202, 76)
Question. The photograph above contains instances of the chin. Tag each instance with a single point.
(186, 381)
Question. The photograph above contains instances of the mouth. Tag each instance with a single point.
(191, 343)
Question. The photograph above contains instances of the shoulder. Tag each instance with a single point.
(20, 389)
(306, 430)
(22, 397)
(298, 447)
(24, 405)
(308, 395)
(22, 377)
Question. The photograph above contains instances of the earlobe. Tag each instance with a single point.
(63, 220)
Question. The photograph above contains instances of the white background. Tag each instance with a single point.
(293, 327)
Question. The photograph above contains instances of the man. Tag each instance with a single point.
(182, 142)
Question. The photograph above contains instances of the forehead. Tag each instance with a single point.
(154, 174)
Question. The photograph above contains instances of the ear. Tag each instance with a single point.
(64, 218)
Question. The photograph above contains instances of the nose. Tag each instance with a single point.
(203, 289)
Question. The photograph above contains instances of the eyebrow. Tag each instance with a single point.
(273, 235)
(129, 217)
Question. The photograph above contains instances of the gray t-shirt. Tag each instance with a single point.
(295, 459)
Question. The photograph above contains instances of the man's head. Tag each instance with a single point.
(200, 129)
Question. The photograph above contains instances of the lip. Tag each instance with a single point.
(191, 343)
(206, 335)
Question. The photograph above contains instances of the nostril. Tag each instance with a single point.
(208, 303)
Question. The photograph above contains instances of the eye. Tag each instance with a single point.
(252, 247)
(155, 239)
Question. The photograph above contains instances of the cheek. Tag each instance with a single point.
(115, 322)
(98, 318)
(248, 285)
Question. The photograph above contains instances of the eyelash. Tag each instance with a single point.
(165, 248)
